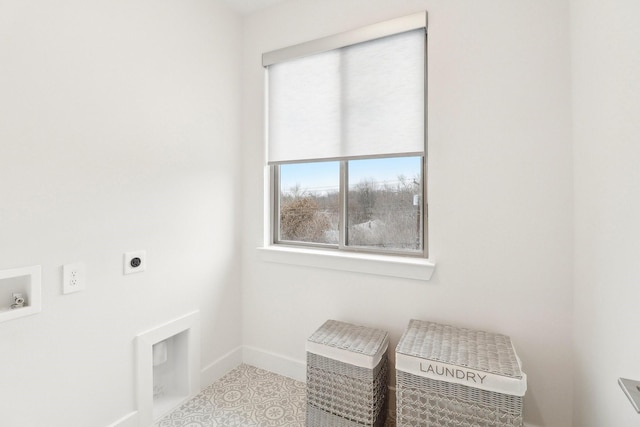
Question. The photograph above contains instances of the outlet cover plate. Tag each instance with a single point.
(73, 278)
(140, 265)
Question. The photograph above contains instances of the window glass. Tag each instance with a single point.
(383, 199)
(384, 207)
(309, 202)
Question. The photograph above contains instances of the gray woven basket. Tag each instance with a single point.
(430, 402)
(341, 394)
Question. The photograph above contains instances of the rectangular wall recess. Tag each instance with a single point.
(168, 367)
(25, 283)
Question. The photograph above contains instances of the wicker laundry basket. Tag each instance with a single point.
(347, 370)
(448, 376)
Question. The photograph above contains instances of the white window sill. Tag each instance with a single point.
(383, 265)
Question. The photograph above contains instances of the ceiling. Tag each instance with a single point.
(249, 6)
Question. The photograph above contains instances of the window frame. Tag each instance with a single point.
(383, 29)
(342, 245)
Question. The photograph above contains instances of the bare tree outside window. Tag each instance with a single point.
(384, 215)
(383, 212)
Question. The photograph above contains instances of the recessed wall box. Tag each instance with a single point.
(20, 292)
(168, 366)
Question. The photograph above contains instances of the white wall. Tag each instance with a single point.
(500, 188)
(119, 130)
(606, 111)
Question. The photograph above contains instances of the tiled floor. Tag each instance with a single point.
(245, 397)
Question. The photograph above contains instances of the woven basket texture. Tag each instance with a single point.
(319, 418)
(340, 394)
(483, 351)
(345, 336)
(425, 402)
(358, 399)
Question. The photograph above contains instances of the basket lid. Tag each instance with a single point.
(465, 356)
(353, 344)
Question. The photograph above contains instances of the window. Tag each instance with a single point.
(347, 140)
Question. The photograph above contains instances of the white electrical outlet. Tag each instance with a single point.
(73, 278)
(135, 262)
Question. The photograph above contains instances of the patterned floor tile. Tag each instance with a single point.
(245, 397)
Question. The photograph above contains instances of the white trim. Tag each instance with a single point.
(144, 351)
(221, 366)
(129, 420)
(208, 375)
(382, 265)
(349, 357)
(274, 362)
(462, 375)
(370, 32)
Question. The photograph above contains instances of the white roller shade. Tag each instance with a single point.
(361, 100)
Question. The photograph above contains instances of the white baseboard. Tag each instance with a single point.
(220, 367)
(209, 374)
(274, 362)
(129, 420)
